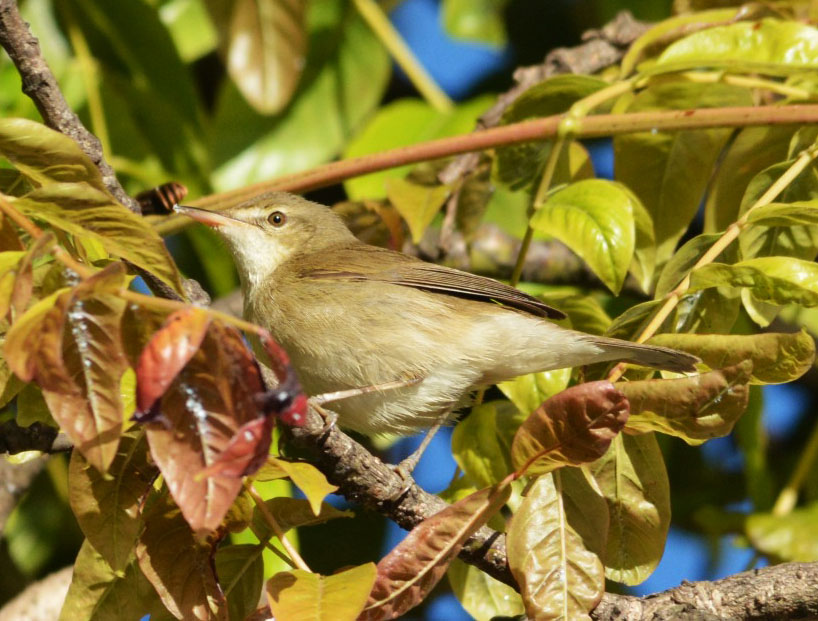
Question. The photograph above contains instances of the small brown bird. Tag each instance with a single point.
(352, 315)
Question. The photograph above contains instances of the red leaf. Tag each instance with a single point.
(414, 567)
(209, 402)
(179, 566)
(166, 354)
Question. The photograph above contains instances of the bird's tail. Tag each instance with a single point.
(646, 355)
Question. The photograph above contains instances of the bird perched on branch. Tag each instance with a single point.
(352, 315)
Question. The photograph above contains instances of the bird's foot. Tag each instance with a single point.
(330, 417)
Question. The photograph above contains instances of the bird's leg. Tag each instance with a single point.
(408, 465)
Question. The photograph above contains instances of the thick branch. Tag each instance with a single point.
(366, 480)
(787, 591)
(41, 86)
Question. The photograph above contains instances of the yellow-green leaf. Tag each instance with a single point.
(595, 219)
(777, 357)
(770, 46)
(482, 596)
(633, 480)
(791, 537)
(308, 479)
(86, 212)
(308, 596)
(553, 544)
(417, 204)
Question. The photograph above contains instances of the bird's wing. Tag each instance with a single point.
(360, 262)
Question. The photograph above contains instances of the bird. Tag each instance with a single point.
(351, 315)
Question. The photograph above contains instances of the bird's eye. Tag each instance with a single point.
(277, 219)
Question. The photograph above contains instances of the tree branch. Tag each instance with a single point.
(366, 480)
(41, 86)
(786, 591)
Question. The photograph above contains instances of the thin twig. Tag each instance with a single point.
(276, 527)
(391, 39)
(595, 126)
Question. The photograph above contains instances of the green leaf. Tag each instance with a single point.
(240, 569)
(554, 542)
(152, 83)
(631, 322)
(99, 593)
(785, 214)
(266, 49)
(658, 33)
(751, 438)
(685, 258)
(345, 75)
(108, 506)
(695, 408)
(791, 240)
(634, 483)
(46, 156)
(709, 311)
(669, 171)
(401, 123)
(476, 20)
(190, 27)
(528, 392)
(417, 204)
(585, 313)
(481, 442)
(779, 280)
(293, 513)
(573, 427)
(518, 166)
(753, 150)
(482, 596)
(85, 212)
(791, 537)
(767, 46)
(308, 479)
(595, 219)
(777, 358)
(303, 595)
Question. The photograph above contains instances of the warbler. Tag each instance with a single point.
(351, 315)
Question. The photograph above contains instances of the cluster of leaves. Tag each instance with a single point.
(572, 455)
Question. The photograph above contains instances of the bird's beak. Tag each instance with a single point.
(210, 218)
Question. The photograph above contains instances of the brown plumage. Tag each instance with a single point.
(352, 315)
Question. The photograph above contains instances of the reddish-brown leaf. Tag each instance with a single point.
(178, 565)
(414, 567)
(208, 402)
(107, 506)
(286, 401)
(167, 353)
(70, 345)
(24, 279)
(572, 427)
(9, 240)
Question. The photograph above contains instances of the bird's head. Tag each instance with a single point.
(267, 230)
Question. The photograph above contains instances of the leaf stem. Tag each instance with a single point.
(392, 41)
(789, 494)
(806, 157)
(753, 82)
(271, 521)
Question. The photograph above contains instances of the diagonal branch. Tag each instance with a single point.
(41, 86)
